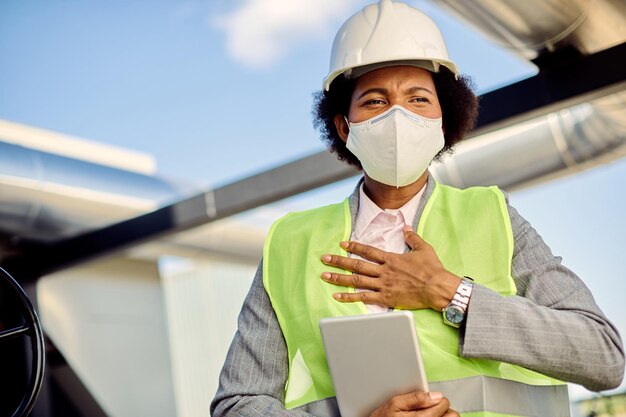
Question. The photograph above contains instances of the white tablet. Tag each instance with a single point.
(371, 358)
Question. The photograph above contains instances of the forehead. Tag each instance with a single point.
(395, 76)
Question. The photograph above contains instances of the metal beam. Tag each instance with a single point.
(556, 86)
(560, 85)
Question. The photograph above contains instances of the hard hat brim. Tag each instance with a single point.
(357, 71)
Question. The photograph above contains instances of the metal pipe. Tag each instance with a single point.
(47, 197)
(557, 144)
(532, 28)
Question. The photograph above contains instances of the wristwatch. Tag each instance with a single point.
(454, 313)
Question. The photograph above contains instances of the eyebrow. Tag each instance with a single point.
(412, 90)
(384, 91)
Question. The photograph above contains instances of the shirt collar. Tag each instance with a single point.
(368, 210)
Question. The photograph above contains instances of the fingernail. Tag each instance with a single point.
(408, 228)
(343, 244)
(326, 275)
(435, 396)
(326, 258)
(337, 296)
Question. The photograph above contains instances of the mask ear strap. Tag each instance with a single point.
(346, 119)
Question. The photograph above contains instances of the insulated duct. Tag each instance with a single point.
(47, 197)
(536, 27)
(560, 143)
(537, 150)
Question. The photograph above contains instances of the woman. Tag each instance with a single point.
(515, 321)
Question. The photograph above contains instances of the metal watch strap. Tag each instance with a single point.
(454, 313)
(463, 293)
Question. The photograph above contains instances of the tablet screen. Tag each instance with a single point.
(371, 358)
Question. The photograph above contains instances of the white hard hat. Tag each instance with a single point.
(385, 34)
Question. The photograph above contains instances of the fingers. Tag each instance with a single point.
(412, 239)
(356, 265)
(365, 251)
(354, 280)
(416, 400)
(365, 297)
(440, 409)
(416, 404)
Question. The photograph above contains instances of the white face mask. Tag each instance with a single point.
(396, 147)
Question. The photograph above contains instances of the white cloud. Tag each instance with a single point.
(260, 31)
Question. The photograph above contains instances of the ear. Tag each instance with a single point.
(342, 127)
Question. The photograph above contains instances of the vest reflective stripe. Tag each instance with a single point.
(323, 408)
(480, 396)
(471, 233)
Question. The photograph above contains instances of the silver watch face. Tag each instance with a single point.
(454, 314)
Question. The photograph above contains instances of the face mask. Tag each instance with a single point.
(396, 147)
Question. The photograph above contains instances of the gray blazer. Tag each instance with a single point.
(552, 326)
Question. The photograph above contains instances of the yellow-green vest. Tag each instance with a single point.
(471, 233)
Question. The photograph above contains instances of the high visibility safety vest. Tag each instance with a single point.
(471, 233)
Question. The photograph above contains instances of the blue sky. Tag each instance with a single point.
(218, 90)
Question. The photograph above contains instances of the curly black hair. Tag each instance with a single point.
(459, 107)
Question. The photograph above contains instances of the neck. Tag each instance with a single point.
(390, 197)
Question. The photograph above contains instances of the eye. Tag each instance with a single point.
(420, 99)
(374, 102)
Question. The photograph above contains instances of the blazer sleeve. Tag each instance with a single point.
(553, 325)
(253, 378)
